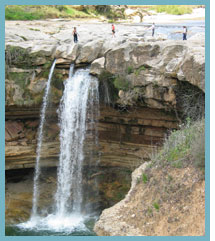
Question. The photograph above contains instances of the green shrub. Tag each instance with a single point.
(198, 148)
(61, 7)
(145, 178)
(137, 71)
(22, 78)
(75, 13)
(36, 12)
(130, 70)
(111, 21)
(103, 9)
(173, 9)
(121, 84)
(156, 206)
(22, 12)
(183, 146)
(34, 29)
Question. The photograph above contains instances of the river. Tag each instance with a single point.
(171, 30)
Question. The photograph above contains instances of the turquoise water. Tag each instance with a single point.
(16, 231)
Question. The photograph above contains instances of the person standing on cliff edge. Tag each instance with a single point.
(75, 34)
(113, 30)
(184, 33)
(153, 29)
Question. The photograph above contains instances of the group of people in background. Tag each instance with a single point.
(75, 33)
(184, 31)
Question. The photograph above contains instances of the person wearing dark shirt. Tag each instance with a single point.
(75, 34)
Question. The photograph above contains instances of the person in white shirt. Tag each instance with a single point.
(184, 33)
(153, 29)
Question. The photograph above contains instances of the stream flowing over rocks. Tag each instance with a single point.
(148, 74)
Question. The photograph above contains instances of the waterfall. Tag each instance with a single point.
(79, 99)
(39, 143)
(92, 143)
(73, 108)
(78, 112)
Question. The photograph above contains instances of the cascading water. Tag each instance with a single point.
(92, 145)
(78, 111)
(39, 143)
(73, 112)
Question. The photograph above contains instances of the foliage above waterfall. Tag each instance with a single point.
(36, 12)
(173, 9)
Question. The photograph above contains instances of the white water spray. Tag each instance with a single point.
(73, 113)
(39, 143)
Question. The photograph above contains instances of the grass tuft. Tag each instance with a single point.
(184, 146)
(145, 178)
(156, 206)
(174, 9)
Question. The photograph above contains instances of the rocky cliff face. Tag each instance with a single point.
(142, 76)
(170, 203)
(131, 135)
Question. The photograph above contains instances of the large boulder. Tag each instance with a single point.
(172, 59)
(69, 52)
(90, 51)
(97, 66)
(154, 70)
(193, 68)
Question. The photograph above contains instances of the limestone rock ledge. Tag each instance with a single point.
(150, 66)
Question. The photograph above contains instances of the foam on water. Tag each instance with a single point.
(56, 223)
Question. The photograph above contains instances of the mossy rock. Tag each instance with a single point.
(20, 78)
(121, 83)
(21, 57)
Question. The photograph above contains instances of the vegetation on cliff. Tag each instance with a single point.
(167, 195)
(36, 12)
(183, 147)
(174, 9)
